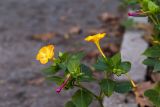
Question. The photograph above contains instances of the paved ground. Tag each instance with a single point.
(19, 20)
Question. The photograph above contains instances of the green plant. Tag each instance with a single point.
(75, 73)
(154, 95)
(151, 9)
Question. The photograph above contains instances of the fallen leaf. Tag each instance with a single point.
(66, 36)
(155, 77)
(75, 30)
(117, 31)
(63, 18)
(106, 17)
(140, 98)
(148, 28)
(148, 38)
(37, 81)
(114, 48)
(44, 37)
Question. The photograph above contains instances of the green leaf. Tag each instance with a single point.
(116, 59)
(151, 93)
(107, 86)
(86, 74)
(157, 67)
(79, 55)
(67, 61)
(63, 56)
(150, 62)
(70, 104)
(157, 87)
(63, 66)
(101, 65)
(157, 27)
(144, 4)
(51, 70)
(119, 67)
(123, 87)
(153, 96)
(82, 98)
(153, 51)
(126, 66)
(73, 66)
(123, 68)
(153, 7)
(132, 2)
(58, 80)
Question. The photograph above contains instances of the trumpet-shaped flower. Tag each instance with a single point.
(95, 38)
(45, 54)
(59, 89)
(138, 13)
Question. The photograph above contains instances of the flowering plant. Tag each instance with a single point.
(151, 9)
(75, 73)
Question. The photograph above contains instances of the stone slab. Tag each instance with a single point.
(118, 100)
(132, 48)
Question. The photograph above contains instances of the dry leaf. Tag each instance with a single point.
(44, 37)
(114, 48)
(37, 81)
(140, 98)
(148, 38)
(106, 17)
(148, 31)
(63, 18)
(75, 30)
(66, 36)
(147, 27)
(155, 77)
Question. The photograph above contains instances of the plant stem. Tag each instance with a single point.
(80, 86)
(132, 82)
(100, 100)
(158, 21)
(134, 86)
(100, 50)
(102, 53)
(152, 18)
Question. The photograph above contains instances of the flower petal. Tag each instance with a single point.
(95, 38)
(43, 60)
(45, 53)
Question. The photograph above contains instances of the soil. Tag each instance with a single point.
(21, 81)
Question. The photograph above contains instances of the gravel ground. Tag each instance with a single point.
(19, 20)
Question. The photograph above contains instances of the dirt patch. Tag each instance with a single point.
(20, 20)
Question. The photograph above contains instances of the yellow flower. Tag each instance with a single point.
(95, 38)
(45, 54)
